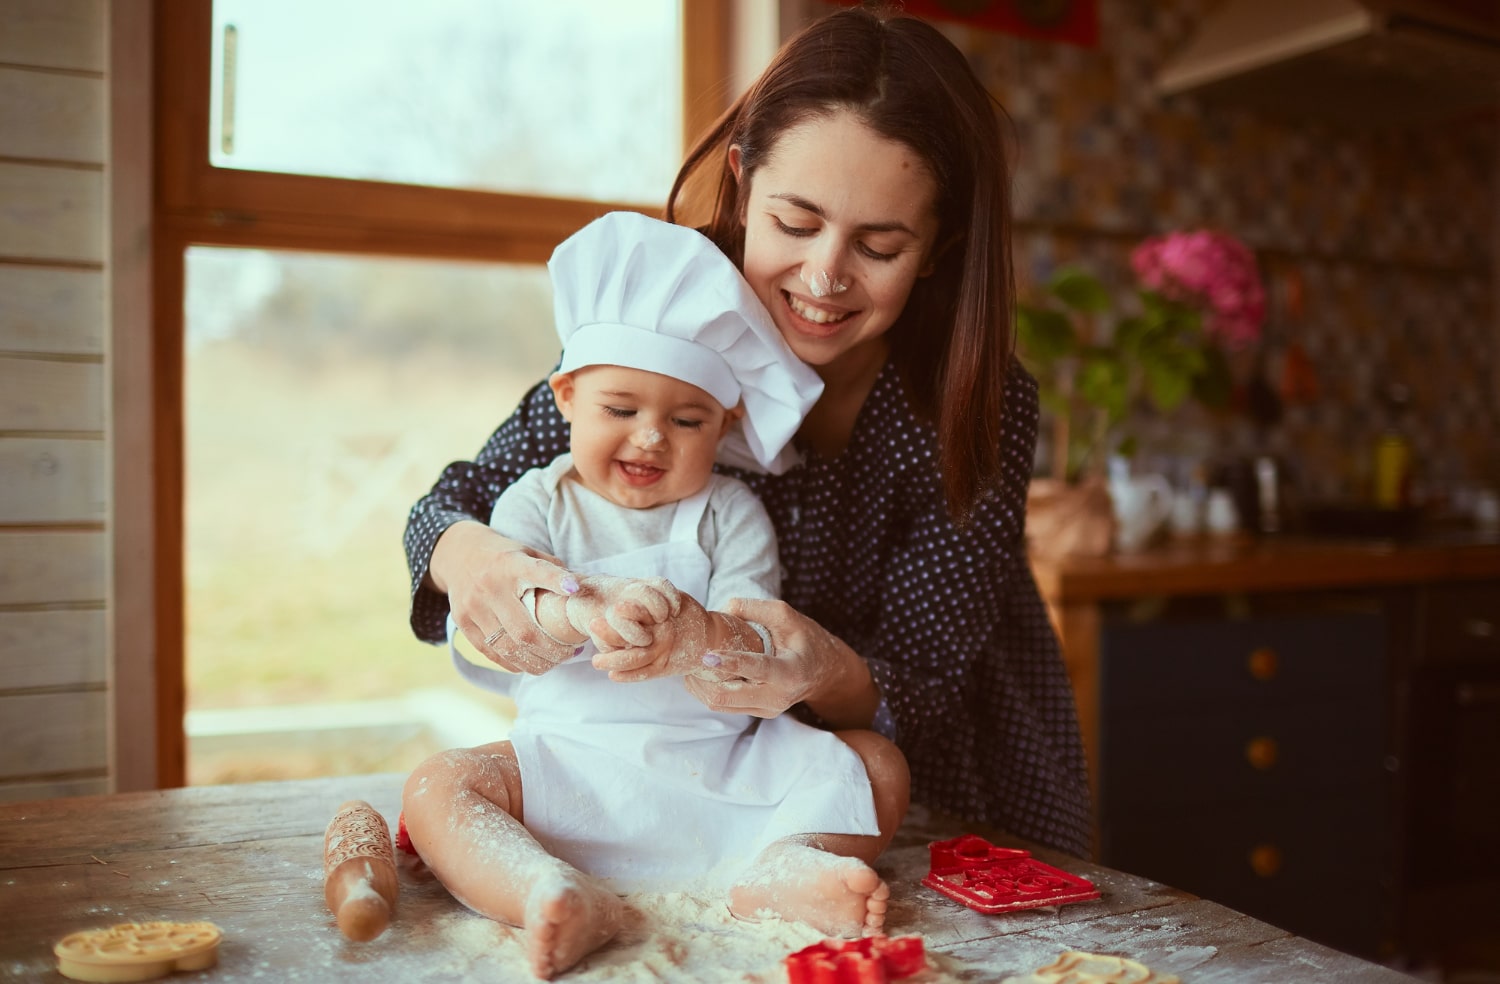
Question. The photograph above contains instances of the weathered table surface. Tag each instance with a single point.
(249, 858)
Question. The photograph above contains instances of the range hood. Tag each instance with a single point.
(1356, 61)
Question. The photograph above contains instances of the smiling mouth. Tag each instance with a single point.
(637, 472)
(816, 315)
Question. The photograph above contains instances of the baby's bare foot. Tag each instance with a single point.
(836, 895)
(568, 916)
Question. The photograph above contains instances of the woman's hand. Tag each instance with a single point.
(484, 575)
(807, 664)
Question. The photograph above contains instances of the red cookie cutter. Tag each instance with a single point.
(403, 839)
(993, 879)
(871, 960)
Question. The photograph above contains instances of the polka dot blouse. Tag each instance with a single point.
(950, 621)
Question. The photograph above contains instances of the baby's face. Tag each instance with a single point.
(640, 439)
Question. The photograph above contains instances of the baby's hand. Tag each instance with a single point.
(632, 662)
(632, 609)
(675, 647)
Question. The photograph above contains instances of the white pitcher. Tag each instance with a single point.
(1143, 503)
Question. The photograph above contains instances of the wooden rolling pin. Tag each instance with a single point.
(359, 871)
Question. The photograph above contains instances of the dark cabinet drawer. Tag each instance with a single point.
(1245, 760)
(1315, 869)
(1461, 622)
(1262, 660)
(1250, 753)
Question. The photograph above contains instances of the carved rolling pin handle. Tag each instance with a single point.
(359, 871)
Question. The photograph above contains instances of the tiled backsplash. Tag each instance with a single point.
(1389, 231)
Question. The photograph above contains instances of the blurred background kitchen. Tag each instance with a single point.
(266, 267)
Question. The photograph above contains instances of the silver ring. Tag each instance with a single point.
(494, 637)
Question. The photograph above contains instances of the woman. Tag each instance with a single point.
(669, 364)
(863, 191)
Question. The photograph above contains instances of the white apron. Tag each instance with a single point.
(641, 784)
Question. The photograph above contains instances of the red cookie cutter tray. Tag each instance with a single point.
(993, 879)
(872, 960)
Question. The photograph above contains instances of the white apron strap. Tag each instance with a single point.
(688, 515)
(488, 678)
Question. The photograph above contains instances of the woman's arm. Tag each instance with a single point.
(458, 564)
(807, 665)
(924, 604)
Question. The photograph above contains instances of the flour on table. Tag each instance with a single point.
(673, 936)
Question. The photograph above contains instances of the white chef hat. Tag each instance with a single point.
(633, 291)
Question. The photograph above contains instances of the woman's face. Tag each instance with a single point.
(835, 203)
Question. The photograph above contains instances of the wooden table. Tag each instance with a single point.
(249, 858)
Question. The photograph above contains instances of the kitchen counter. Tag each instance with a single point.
(249, 858)
(1076, 589)
(1312, 701)
(1244, 565)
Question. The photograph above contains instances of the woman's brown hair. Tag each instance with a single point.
(902, 78)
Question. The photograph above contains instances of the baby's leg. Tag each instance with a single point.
(826, 879)
(463, 812)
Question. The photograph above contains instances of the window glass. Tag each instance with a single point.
(568, 98)
(323, 396)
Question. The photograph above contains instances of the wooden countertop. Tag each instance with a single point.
(249, 858)
(1269, 564)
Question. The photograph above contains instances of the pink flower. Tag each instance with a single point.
(1210, 270)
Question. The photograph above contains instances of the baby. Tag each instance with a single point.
(612, 782)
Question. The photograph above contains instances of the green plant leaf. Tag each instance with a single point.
(1171, 317)
(1167, 386)
(1043, 334)
(1102, 382)
(1052, 401)
(1130, 334)
(1214, 386)
(1079, 290)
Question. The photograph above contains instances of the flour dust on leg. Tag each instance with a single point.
(458, 807)
(836, 895)
(568, 916)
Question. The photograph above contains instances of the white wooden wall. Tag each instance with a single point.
(54, 463)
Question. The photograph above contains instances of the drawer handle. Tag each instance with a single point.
(1261, 752)
(1265, 860)
(1477, 694)
(1263, 663)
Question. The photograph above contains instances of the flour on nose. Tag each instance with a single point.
(822, 284)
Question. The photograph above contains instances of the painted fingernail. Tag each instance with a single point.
(711, 659)
(569, 585)
(578, 651)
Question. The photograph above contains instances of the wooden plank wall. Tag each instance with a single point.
(54, 463)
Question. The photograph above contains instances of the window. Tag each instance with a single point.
(322, 395)
(569, 98)
(305, 220)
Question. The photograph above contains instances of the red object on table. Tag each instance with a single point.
(872, 960)
(994, 879)
(403, 839)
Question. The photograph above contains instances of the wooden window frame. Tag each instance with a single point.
(192, 203)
